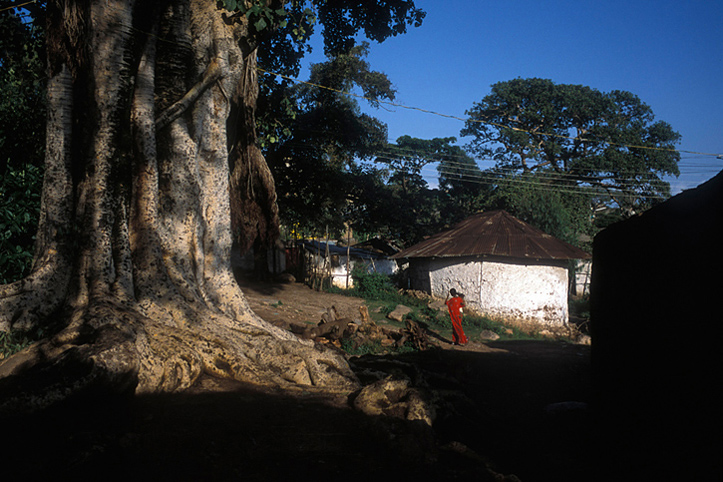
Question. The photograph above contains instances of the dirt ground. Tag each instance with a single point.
(504, 411)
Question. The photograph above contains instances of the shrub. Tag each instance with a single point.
(366, 348)
(12, 342)
(19, 208)
(373, 285)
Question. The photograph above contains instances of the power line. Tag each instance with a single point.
(426, 111)
(455, 160)
(595, 185)
(501, 126)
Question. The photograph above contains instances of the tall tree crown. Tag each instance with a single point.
(576, 135)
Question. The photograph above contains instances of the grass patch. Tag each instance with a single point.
(12, 342)
(369, 348)
(382, 297)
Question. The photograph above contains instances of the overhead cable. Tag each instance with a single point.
(501, 126)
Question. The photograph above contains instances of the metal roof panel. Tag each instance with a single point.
(495, 233)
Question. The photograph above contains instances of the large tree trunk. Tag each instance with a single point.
(133, 247)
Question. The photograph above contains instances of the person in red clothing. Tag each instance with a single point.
(455, 305)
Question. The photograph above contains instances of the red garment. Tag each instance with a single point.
(454, 305)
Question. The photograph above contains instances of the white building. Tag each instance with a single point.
(325, 259)
(506, 269)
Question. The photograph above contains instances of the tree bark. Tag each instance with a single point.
(133, 249)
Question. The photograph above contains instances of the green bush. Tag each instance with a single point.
(19, 208)
(373, 285)
(12, 342)
(369, 348)
(580, 307)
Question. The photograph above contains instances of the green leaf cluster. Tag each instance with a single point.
(313, 139)
(12, 342)
(564, 214)
(314, 149)
(374, 286)
(577, 138)
(19, 207)
(261, 14)
(22, 136)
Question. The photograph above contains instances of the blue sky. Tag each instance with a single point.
(668, 53)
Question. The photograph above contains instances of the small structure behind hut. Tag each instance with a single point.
(323, 260)
(506, 268)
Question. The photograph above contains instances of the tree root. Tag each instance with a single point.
(110, 348)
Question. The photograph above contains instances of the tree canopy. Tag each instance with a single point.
(577, 137)
(314, 156)
(414, 210)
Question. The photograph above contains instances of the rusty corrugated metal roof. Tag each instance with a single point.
(493, 233)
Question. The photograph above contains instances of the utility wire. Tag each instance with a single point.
(473, 174)
(457, 161)
(427, 111)
(501, 126)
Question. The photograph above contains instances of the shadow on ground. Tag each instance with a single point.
(491, 419)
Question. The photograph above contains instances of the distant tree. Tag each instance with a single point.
(414, 210)
(370, 199)
(565, 214)
(461, 179)
(577, 137)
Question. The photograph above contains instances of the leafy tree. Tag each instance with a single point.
(460, 178)
(328, 134)
(414, 210)
(22, 129)
(19, 206)
(282, 48)
(562, 213)
(150, 145)
(576, 136)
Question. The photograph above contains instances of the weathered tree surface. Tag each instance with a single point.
(149, 138)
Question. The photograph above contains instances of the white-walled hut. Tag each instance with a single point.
(338, 262)
(506, 268)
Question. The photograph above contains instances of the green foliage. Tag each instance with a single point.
(417, 210)
(312, 138)
(12, 342)
(22, 82)
(318, 140)
(580, 307)
(19, 207)
(578, 139)
(440, 319)
(366, 348)
(343, 20)
(22, 131)
(538, 202)
(373, 286)
(261, 14)
(461, 179)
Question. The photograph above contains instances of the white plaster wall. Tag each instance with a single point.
(339, 273)
(381, 266)
(525, 292)
(532, 293)
(463, 276)
(583, 274)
